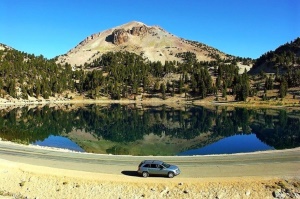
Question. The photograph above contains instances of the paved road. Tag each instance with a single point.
(277, 163)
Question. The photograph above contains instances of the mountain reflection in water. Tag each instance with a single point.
(230, 145)
(163, 130)
(59, 142)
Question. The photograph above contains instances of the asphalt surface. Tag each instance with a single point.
(270, 163)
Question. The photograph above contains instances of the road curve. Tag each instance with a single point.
(271, 163)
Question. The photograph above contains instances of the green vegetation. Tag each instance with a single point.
(285, 60)
(34, 76)
(128, 74)
(125, 75)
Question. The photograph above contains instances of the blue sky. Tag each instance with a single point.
(246, 28)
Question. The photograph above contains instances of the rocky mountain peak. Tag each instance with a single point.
(120, 36)
(131, 24)
(139, 30)
(152, 42)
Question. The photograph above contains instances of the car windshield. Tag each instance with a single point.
(166, 165)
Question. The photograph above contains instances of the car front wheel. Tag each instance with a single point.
(145, 174)
(170, 174)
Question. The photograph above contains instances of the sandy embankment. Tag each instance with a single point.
(21, 180)
(27, 180)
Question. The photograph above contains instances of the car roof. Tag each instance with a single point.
(152, 162)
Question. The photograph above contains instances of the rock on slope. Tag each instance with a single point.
(152, 42)
(3, 47)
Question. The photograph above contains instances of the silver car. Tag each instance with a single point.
(157, 167)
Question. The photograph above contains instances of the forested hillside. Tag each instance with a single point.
(116, 75)
(125, 75)
(285, 58)
(24, 74)
(279, 70)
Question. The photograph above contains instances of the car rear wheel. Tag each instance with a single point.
(170, 174)
(145, 174)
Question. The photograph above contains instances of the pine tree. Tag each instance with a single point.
(269, 83)
(12, 88)
(173, 89)
(163, 90)
(1, 85)
(283, 88)
(224, 90)
(242, 87)
(180, 89)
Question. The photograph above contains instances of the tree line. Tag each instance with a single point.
(23, 74)
(123, 74)
(119, 75)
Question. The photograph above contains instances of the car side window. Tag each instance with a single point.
(153, 165)
(147, 165)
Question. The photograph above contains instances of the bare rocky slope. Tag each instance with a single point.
(152, 42)
(4, 47)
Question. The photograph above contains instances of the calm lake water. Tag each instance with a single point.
(162, 130)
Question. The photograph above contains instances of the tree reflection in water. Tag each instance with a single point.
(127, 123)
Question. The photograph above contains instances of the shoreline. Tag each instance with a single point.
(274, 151)
(174, 102)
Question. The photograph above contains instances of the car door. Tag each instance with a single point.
(153, 169)
(157, 169)
(146, 167)
(162, 170)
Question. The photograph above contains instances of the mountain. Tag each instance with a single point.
(151, 42)
(285, 57)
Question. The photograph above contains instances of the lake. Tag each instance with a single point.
(148, 130)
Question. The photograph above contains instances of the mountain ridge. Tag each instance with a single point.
(283, 58)
(4, 46)
(152, 42)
